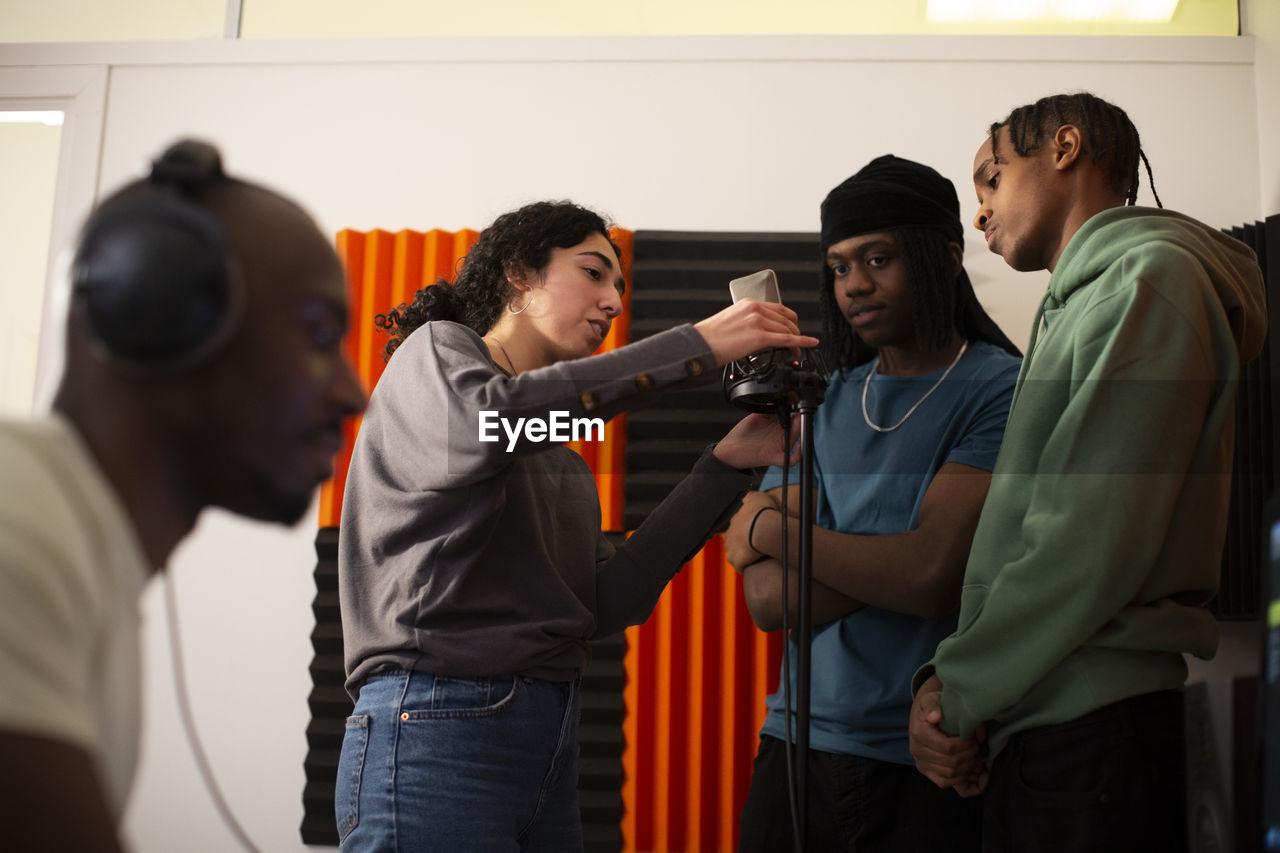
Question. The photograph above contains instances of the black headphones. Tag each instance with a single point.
(161, 290)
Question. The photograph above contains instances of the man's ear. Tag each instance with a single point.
(1068, 146)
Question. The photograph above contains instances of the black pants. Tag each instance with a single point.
(1112, 780)
(855, 804)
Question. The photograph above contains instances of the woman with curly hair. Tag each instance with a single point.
(473, 571)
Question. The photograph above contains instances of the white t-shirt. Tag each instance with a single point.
(71, 572)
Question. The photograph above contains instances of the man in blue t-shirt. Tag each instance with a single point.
(904, 444)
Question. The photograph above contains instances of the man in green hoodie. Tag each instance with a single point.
(1101, 536)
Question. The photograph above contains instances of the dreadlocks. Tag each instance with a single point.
(1108, 135)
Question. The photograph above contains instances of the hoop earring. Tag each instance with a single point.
(522, 310)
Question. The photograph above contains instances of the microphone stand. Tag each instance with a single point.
(808, 395)
(783, 389)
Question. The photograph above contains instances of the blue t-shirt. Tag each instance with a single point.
(873, 483)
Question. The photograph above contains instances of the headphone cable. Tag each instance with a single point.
(189, 724)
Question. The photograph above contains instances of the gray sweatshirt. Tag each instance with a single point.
(469, 558)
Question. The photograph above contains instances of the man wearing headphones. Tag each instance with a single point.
(203, 368)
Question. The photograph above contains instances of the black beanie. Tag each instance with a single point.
(887, 193)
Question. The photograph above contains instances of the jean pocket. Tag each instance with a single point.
(346, 792)
(1067, 792)
(464, 698)
(1075, 760)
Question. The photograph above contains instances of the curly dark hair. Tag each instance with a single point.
(942, 301)
(479, 292)
(1108, 132)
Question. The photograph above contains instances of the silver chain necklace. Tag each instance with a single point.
(872, 372)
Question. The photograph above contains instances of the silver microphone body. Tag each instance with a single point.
(769, 380)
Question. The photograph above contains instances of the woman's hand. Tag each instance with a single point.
(749, 326)
(756, 441)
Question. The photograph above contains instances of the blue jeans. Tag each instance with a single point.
(486, 764)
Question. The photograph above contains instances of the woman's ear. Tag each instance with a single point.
(517, 275)
(957, 254)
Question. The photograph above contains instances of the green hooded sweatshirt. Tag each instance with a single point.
(1101, 537)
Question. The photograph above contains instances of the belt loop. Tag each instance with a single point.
(400, 714)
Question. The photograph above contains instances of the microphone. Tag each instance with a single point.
(768, 381)
(761, 286)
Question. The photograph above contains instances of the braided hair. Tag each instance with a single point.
(1109, 135)
(942, 302)
(479, 292)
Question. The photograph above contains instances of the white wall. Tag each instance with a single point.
(693, 133)
(1260, 19)
(28, 175)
